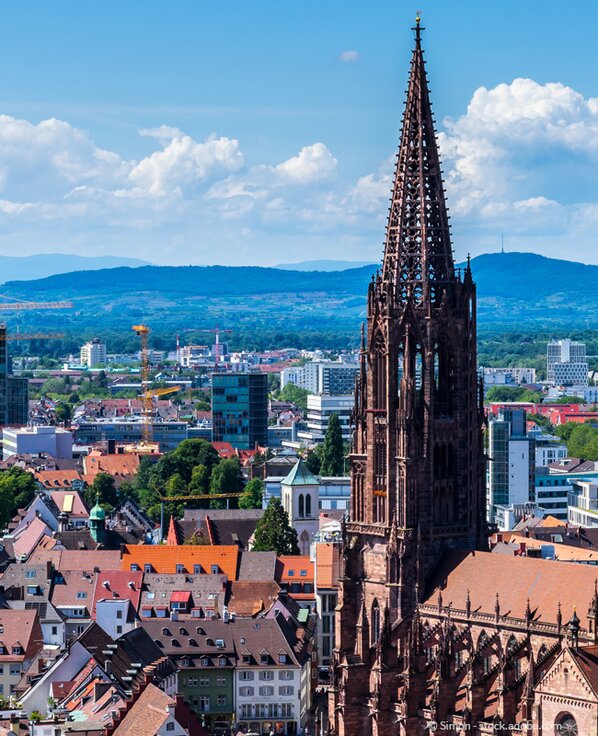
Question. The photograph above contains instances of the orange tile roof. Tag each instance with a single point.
(164, 558)
(291, 566)
(327, 565)
(552, 521)
(57, 478)
(515, 579)
(124, 464)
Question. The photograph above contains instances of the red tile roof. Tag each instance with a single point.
(118, 584)
(515, 579)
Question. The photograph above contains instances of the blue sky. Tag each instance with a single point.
(261, 132)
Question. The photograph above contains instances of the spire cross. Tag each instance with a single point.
(417, 27)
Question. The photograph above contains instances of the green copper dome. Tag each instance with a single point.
(97, 513)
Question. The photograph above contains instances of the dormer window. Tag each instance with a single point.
(264, 658)
(134, 567)
(17, 649)
(180, 568)
(197, 569)
(282, 658)
(205, 662)
(147, 567)
(222, 661)
(214, 569)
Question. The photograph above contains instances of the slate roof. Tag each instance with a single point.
(257, 566)
(300, 475)
(17, 577)
(193, 639)
(237, 527)
(207, 591)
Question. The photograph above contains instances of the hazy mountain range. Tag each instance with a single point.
(47, 264)
(515, 290)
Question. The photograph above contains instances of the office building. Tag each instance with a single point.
(240, 409)
(322, 377)
(14, 391)
(583, 504)
(508, 376)
(53, 441)
(93, 353)
(320, 408)
(566, 363)
(512, 461)
(129, 430)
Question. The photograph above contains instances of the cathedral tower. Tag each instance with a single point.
(417, 460)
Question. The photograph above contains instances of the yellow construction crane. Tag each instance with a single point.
(157, 392)
(146, 397)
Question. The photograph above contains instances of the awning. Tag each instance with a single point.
(180, 596)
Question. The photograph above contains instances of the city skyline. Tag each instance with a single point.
(267, 136)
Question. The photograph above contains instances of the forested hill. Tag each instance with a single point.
(514, 290)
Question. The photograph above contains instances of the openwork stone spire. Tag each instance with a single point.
(418, 257)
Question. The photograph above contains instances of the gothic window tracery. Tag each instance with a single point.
(566, 725)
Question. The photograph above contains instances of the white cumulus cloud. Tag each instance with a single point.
(313, 163)
(184, 162)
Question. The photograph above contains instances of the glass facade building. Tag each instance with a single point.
(240, 409)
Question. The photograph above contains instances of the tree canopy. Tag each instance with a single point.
(273, 532)
(253, 494)
(333, 451)
(17, 488)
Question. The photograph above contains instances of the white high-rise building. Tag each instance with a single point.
(322, 377)
(93, 353)
(319, 410)
(566, 363)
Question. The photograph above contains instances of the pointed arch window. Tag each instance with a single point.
(301, 506)
(375, 628)
(308, 504)
(304, 543)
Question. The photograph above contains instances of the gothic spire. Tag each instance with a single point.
(418, 257)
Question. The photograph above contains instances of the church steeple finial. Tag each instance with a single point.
(418, 28)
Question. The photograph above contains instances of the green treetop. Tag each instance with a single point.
(333, 454)
(273, 533)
